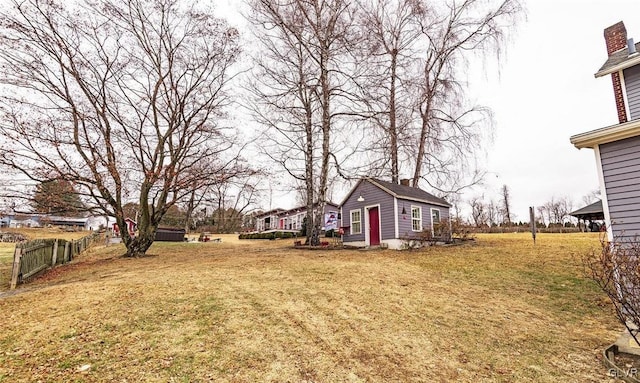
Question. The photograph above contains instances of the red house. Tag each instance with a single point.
(131, 226)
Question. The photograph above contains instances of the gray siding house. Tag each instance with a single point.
(377, 212)
(617, 147)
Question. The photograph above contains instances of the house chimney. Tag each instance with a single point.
(631, 47)
(616, 39)
(405, 182)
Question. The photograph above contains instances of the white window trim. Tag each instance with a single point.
(351, 231)
(419, 218)
(432, 222)
(439, 216)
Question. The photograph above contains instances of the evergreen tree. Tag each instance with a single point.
(57, 197)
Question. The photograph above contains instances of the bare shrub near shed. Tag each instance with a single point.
(615, 268)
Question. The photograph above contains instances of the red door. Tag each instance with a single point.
(374, 227)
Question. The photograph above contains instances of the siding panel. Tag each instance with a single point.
(635, 183)
(621, 159)
(626, 146)
(621, 170)
(632, 83)
(404, 220)
(629, 204)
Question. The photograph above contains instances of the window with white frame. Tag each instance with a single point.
(416, 218)
(435, 216)
(356, 221)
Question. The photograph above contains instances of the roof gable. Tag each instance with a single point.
(400, 191)
(408, 192)
(619, 60)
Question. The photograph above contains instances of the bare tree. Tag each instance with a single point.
(235, 187)
(417, 55)
(233, 196)
(493, 213)
(299, 79)
(479, 213)
(505, 193)
(121, 98)
(392, 35)
(558, 209)
(450, 129)
(591, 197)
(544, 214)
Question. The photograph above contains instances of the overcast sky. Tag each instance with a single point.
(547, 92)
(543, 93)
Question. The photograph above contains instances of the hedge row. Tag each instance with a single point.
(272, 235)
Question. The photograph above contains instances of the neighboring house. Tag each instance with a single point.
(5, 221)
(292, 219)
(268, 220)
(38, 220)
(131, 227)
(377, 212)
(98, 222)
(617, 147)
(75, 222)
(25, 221)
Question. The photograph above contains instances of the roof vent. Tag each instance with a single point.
(631, 46)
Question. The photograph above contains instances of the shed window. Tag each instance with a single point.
(356, 222)
(416, 218)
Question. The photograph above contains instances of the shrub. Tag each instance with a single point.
(614, 268)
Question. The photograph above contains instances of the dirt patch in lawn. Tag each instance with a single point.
(496, 310)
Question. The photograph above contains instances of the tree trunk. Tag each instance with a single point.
(189, 212)
(139, 245)
(393, 129)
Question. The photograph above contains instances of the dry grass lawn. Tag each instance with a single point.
(496, 310)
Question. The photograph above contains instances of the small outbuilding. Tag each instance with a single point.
(592, 213)
(168, 234)
(377, 212)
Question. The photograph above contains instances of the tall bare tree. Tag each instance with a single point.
(392, 35)
(451, 129)
(419, 53)
(505, 193)
(299, 80)
(121, 98)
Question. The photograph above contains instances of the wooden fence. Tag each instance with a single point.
(33, 257)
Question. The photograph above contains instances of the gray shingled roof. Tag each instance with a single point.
(408, 192)
(594, 210)
(617, 58)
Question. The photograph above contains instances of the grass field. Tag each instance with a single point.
(495, 310)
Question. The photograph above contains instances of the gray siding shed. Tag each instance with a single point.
(390, 199)
(621, 171)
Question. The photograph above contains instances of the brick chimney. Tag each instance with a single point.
(405, 182)
(616, 38)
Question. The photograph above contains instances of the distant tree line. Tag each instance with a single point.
(486, 213)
